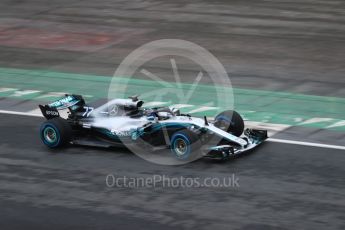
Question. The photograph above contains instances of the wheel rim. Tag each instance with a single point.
(223, 125)
(50, 135)
(180, 147)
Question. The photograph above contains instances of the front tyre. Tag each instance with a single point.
(230, 121)
(185, 145)
(55, 132)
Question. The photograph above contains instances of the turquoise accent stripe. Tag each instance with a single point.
(169, 125)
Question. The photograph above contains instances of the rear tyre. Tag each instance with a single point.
(185, 145)
(55, 132)
(230, 121)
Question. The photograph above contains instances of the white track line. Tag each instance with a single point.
(306, 143)
(21, 113)
(269, 139)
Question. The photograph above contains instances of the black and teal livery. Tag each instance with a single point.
(123, 122)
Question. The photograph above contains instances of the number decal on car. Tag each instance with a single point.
(88, 111)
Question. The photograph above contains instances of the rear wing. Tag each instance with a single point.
(72, 102)
(48, 112)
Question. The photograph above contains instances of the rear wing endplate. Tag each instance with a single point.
(49, 112)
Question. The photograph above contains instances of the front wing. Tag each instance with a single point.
(253, 138)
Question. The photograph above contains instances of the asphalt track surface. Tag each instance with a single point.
(281, 186)
(293, 46)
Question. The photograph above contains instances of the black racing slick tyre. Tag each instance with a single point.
(230, 121)
(55, 132)
(185, 145)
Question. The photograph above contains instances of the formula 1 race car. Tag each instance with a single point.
(124, 122)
